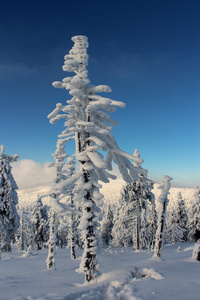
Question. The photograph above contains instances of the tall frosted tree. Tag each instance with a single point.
(9, 219)
(54, 194)
(65, 170)
(87, 121)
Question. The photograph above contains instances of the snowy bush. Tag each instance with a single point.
(196, 251)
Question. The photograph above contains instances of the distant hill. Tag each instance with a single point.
(110, 191)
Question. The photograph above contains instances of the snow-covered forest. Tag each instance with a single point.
(124, 236)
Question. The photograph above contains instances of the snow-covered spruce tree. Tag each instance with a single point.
(24, 235)
(87, 122)
(64, 170)
(20, 237)
(176, 222)
(106, 226)
(59, 156)
(194, 217)
(182, 214)
(162, 207)
(121, 231)
(38, 222)
(151, 216)
(56, 194)
(131, 216)
(9, 219)
(55, 209)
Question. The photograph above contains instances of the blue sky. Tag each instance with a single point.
(146, 51)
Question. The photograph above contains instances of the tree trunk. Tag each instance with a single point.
(6, 248)
(73, 253)
(160, 229)
(89, 258)
(52, 242)
(137, 229)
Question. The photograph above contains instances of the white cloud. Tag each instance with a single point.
(28, 173)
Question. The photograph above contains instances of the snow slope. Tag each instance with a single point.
(126, 275)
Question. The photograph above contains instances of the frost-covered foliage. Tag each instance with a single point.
(107, 226)
(194, 218)
(9, 219)
(176, 222)
(162, 207)
(59, 156)
(87, 121)
(131, 226)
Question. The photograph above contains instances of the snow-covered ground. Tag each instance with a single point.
(126, 275)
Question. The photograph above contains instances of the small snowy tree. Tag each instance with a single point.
(194, 218)
(177, 222)
(121, 231)
(23, 235)
(9, 219)
(55, 208)
(151, 223)
(38, 222)
(132, 216)
(87, 122)
(162, 207)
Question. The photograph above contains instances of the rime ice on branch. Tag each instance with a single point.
(162, 207)
(86, 120)
(9, 219)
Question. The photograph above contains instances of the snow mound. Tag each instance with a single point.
(122, 288)
(196, 251)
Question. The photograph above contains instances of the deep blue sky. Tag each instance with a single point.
(147, 51)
